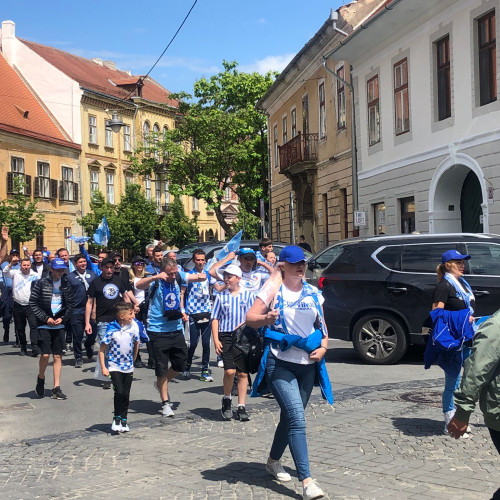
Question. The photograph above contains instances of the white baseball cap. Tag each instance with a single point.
(231, 269)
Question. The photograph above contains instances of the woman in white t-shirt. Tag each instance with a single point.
(137, 272)
(290, 373)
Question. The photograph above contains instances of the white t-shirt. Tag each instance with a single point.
(252, 281)
(300, 317)
(139, 294)
(21, 284)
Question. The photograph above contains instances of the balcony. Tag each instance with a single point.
(301, 152)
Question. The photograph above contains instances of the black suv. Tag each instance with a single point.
(378, 290)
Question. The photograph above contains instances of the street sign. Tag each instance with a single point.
(359, 218)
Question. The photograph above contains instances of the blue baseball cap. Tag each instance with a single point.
(245, 251)
(292, 254)
(453, 255)
(58, 264)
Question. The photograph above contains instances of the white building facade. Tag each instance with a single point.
(427, 116)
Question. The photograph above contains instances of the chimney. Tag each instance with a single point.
(97, 61)
(9, 41)
(110, 64)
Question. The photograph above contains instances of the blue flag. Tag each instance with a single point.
(232, 245)
(102, 234)
(81, 240)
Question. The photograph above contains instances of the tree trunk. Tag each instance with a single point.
(220, 218)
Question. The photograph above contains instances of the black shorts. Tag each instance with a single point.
(226, 339)
(51, 341)
(169, 346)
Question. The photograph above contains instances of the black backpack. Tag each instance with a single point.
(246, 348)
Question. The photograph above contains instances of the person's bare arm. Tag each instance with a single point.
(3, 247)
(88, 311)
(259, 315)
(213, 270)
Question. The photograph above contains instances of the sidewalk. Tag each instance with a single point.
(381, 441)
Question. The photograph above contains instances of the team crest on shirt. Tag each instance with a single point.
(251, 282)
(110, 291)
(170, 300)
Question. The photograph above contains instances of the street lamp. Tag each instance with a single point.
(115, 124)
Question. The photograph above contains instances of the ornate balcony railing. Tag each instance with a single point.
(302, 148)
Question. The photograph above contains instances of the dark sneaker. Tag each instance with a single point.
(241, 414)
(79, 363)
(6, 337)
(57, 393)
(35, 351)
(139, 364)
(125, 427)
(226, 411)
(116, 425)
(106, 385)
(40, 387)
(23, 352)
(90, 353)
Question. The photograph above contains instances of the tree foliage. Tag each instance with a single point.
(249, 223)
(20, 215)
(219, 142)
(176, 228)
(99, 208)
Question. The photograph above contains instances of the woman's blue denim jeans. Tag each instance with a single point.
(451, 384)
(291, 385)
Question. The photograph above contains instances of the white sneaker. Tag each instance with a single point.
(312, 491)
(125, 427)
(448, 415)
(116, 425)
(166, 410)
(220, 363)
(276, 470)
(186, 374)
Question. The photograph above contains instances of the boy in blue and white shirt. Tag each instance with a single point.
(120, 344)
(196, 297)
(229, 311)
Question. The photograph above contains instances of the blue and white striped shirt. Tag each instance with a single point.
(231, 310)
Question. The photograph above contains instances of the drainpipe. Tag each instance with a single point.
(354, 154)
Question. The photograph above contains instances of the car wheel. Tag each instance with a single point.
(379, 339)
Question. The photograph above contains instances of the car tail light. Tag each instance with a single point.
(321, 282)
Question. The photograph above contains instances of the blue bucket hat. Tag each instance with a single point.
(292, 254)
(453, 255)
(58, 264)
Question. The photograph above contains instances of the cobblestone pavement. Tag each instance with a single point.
(382, 441)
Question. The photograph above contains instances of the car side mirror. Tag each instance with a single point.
(312, 265)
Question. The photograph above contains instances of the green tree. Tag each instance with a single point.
(135, 220)
(99, 208)
(249, 223)
(219, 142)
(20, 215)
(176, 228)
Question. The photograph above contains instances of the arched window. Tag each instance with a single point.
(146, 129)
(156, 133)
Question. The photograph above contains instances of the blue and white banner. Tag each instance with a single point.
(102, 234)
(232, 245)
(80, 240)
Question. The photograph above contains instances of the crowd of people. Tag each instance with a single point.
(69, 304)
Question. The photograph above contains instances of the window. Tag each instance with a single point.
(147, 186)
(443, 78)
(275, 145)
(485, 258)
(167, 192)
(413, 262)
(487, 58)
(94, 182)
(373, 111)
(322, 111)
(129, 178)
(17, 165)
(293, 115)
(108, 135)
(110, 187)
(285, 127)
(145, 134)
(43, 179)
(39, 240)
(401, 97)
(341, 100)
(196, 207)
(379, 218)
(67, 241)
(68, 191)
(92, 129)
(156, 133)
(407, 206)
(17, 171)
(329, 256)
(227, 194)
(158, 194)
(127, 144)
(278, 225)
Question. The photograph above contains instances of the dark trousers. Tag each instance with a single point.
(197, 330)
(6, 307)
(495, 437)
(122, 382)
(23, 315)
(77, 329)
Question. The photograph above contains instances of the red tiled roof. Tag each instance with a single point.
(21, 112)
(97, 77)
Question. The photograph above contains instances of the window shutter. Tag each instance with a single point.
(75, 192)
(61, 191)
(36, 187)
(53, 189)
(27, 179)
(10, 183)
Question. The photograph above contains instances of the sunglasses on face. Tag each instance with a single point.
(138, 263)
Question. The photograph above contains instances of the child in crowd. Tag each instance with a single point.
(271, 258)
(122, 337)
(229, 311)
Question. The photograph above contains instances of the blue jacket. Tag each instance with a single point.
(450, 330)
(284, 342)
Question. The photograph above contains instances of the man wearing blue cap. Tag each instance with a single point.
(52, 303)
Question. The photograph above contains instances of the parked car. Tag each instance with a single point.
(378, 290)
(213, 248)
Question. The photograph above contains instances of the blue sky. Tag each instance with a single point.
(261, 35)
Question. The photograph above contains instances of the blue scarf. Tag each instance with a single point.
(171, 296)
(462, 288)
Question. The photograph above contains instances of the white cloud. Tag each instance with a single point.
(269, 63)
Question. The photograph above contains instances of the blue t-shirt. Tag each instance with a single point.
(156, 321)
(198, 295)
(8, 281)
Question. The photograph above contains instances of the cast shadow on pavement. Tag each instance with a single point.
(145, 406)
(253, 474)
(418, 427)
(88, 381)
(32, 394)
(208, 413)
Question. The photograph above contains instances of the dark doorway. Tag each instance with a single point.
(470, 204)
